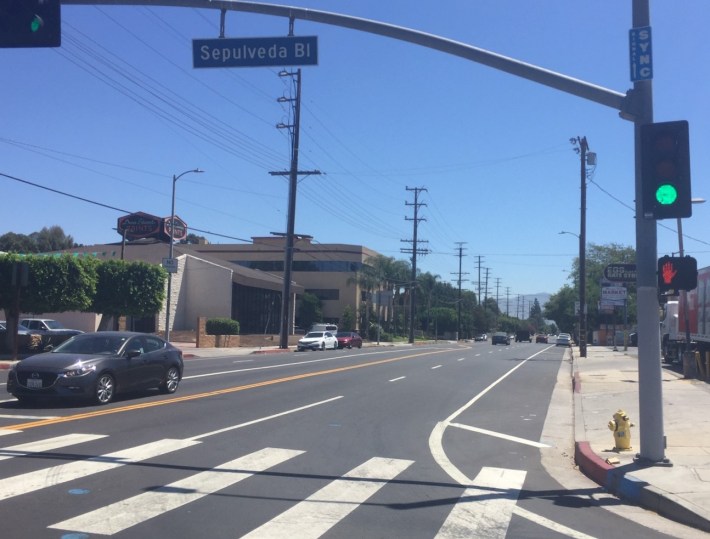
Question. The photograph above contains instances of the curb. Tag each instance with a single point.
(625, 485)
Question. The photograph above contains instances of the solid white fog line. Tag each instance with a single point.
(47, 445)
(315, 515)
(116, 517)
(436, 446)
(261, 419)
(32, 481)
(486, 508)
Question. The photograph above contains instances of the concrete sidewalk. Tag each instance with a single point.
(607, 380)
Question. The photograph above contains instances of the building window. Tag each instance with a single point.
(325, 294)
(315, 266)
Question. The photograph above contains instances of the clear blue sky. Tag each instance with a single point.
(118, 109)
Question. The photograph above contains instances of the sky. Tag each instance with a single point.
(99, 126)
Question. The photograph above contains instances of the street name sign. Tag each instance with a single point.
(255, 51)
(640, 54)
(620, 273)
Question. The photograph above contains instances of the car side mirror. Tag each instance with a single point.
(133, 352)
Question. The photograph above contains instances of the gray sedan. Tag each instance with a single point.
(98, 366)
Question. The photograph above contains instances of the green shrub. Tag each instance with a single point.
(222, 326)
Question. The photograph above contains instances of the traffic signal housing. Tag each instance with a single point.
(30, 23)
(665, 170)
(677, 273)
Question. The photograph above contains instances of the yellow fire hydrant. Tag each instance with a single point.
(621, 426)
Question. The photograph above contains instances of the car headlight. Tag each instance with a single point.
(78, 370)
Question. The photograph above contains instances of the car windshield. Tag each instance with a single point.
(53, 324)
(314, 335)
(343, 334)
(91, 344)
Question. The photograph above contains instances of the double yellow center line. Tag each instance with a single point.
(195, 396)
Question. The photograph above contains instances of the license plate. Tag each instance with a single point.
(35, 383)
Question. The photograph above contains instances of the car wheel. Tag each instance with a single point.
(105, 389)
(322, 346)
(171, 382)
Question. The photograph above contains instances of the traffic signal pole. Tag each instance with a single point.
(652, 440)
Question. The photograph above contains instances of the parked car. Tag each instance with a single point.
(481, 337)
(317, 340)
(500, 338)
(541, 338)
(563, 339)
(98, 365)
(21, 330)
(348, 339)
(52, 332)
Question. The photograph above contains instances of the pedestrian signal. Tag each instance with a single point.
(677, 273)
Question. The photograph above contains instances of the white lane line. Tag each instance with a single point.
(47, 445)
(280, 365)
(461, 359)
(315, 515)
(5, 432)
(436, 438)
(500, 435)
(261, 419)
(485, 509)
(32, 481)
(551, 524)
(436, 367)
(398, 379)
(119, 516)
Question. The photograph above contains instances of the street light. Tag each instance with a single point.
(170, 256)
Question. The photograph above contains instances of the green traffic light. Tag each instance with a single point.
(666, 194)
(36, 23)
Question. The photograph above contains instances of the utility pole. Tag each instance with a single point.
(293, 173)
(582, 148)
(460, 273)
(478, 263)
(485, 290)
(414, 251)
(507, 301)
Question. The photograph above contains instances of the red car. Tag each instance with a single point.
(348, 339)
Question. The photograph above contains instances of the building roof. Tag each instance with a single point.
(153, 252)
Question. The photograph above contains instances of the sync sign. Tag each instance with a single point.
(255, 52)
(640, 55)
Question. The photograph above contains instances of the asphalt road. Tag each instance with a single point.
(430, 441)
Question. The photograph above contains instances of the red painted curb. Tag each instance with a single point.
(591, 464)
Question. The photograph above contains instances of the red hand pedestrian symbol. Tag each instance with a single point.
(668, 272)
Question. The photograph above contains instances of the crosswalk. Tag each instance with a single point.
(486, 506)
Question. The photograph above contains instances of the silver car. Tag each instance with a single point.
(563, 339)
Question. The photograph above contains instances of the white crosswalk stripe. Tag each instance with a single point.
(321, 511)
(485, 509)
(119, 516)
(47, 445)
(32, 481)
